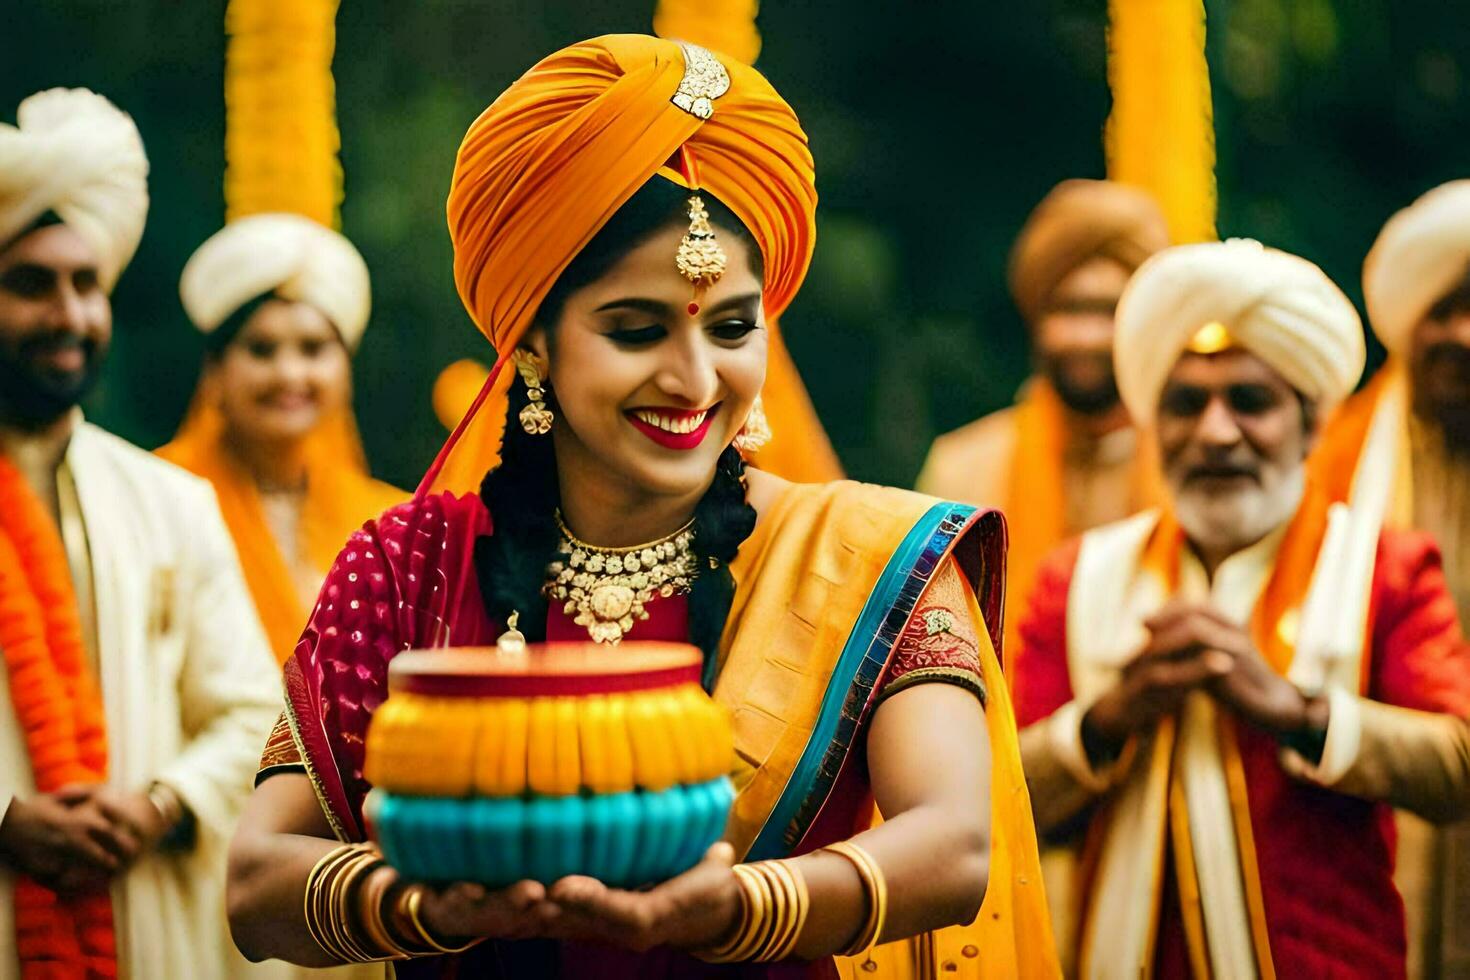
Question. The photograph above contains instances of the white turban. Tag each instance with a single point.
(76, 154)
(1420, 255)
(286, 255)
(1280, 307)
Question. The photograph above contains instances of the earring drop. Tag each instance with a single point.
(756, 431)
(536, 418)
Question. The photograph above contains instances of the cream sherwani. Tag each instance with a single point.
(188, 682)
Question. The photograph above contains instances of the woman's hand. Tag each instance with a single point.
(699, 908)
(464, 911)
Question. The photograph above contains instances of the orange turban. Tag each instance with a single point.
(1077, 221)
(544, 168)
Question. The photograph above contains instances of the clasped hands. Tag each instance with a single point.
(696, 909)
(80, 836)
(1192, 647)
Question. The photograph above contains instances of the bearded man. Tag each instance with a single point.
(1224, 698)
(1065, 458)
(138, 685)
(1402, 445)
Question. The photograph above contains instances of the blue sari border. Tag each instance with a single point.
(859, 667)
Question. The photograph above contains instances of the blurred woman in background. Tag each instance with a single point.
(283, 303)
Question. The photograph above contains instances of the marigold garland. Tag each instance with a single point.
(1160, 135)
(281, 138)
(726, 26)
(59, 708)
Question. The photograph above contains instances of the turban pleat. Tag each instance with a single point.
(75, 154)
(285, 254)
(1280, 307)
(1422, 253)
(1081, 220)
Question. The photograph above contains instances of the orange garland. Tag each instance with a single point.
(59, 708)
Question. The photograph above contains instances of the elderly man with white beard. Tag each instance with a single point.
(1223, 699)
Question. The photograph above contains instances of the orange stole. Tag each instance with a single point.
(1036, 495)
(801, 583)
(59, 708)
(1335, 459)
(340, 496)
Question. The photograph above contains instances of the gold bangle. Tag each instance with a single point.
(409, 902)
(779, 921)
(318, 900)
(876, 888)
(343, 894)
(774, 903)
(332, 890)
(880, 893)
(760, 914)
(752, 912)
(309, 913)
(370, 914)
(721, 953)
(794, 882)
(166, 801)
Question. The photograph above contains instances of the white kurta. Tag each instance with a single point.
(190, 689)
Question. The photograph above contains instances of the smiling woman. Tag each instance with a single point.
(625, 218)
(282, 301)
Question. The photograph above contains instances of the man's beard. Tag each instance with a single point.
(1234, 521)
(31, 396)
(1442, 393)
(1087, 392)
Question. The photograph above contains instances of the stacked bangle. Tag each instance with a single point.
(876, 887)
(345, 901)
(372, 891)
(773, 910)
(332, 894)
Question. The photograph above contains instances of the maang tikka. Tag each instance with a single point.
(700, 258)
(536, 418)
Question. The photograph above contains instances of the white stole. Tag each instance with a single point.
(1111, 595)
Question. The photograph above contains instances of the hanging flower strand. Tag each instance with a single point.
(281, 138)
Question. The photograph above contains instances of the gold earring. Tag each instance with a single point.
(536, 417)
(756, 431)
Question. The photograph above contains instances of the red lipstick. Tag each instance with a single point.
(669, 419)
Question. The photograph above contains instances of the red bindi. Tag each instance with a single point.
(693, 308)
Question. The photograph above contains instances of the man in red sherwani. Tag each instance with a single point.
(1223, 700)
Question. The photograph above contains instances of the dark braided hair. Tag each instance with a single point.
(523, 492)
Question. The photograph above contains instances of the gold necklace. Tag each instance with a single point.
(606, 589)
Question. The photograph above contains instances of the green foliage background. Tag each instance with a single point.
(935, 126)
